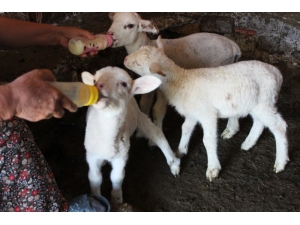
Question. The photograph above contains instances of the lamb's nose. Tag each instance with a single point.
(100, 86)
(125, 60)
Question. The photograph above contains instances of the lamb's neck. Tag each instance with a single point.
(172, 81)
(141, 40)
(170, 69)
(108, 115)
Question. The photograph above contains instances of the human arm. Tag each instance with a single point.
(20, 34)
(30, 97)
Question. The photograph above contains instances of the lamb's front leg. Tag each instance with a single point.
(94, 174)
(159, 109)
(117, 176)
(146, 102)
(186, 132)
(209, 126)
(156, 136)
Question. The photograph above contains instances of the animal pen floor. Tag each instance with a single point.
(246, 182)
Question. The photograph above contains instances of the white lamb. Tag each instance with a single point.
(111, 122)
(193, 51)
(203, 95)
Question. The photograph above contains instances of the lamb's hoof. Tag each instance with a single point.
(228, 133)
(212, 174)
(175, 167)
(116, 196)
(123, 207)
(279, 166)
(246, 145)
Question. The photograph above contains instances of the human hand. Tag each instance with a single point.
(34, 99)
(67, 33)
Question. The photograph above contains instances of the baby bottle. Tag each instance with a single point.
(82, 45)
(80, 93)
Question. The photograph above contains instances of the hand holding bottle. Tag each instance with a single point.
(30, 97)
(83, 45)
(80, 93)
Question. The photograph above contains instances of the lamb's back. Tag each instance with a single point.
(201, 50)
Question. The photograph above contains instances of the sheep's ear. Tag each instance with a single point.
(155, 68)
(145, 84)
(111, 15)
(147, 26)
(87, 78)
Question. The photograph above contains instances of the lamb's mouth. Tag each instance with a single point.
(101, 97)
(115, 42)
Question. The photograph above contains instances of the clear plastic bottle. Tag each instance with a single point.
(80, 93)
(82, 45)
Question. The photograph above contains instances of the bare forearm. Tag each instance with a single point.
(18, 34)
(6, 105)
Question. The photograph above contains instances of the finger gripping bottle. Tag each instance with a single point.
(80, 93)
(83, 45)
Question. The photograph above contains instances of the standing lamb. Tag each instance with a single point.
(111, 122)
(193, 51)
(205, 94)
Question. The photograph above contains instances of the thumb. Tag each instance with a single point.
(44, 74)
(87, 34)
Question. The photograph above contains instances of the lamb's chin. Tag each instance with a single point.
(115, 44)
(101, 104)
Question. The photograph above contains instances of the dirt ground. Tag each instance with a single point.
(246, 182)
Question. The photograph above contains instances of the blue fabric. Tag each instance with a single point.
(89, 203)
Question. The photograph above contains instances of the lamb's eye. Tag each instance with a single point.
(130, 25)
(124, 84)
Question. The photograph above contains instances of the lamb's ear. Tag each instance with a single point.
(145, 84)
(147, 26)
(111, 15)
(87, 78)
(155, 68)
(137, 16)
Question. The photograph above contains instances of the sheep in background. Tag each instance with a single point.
(205, 94)
(128, 29)
(111, 122)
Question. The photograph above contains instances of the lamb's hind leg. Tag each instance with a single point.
(117, 176)
(273, 120)
(255, 132)
(231, 129)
